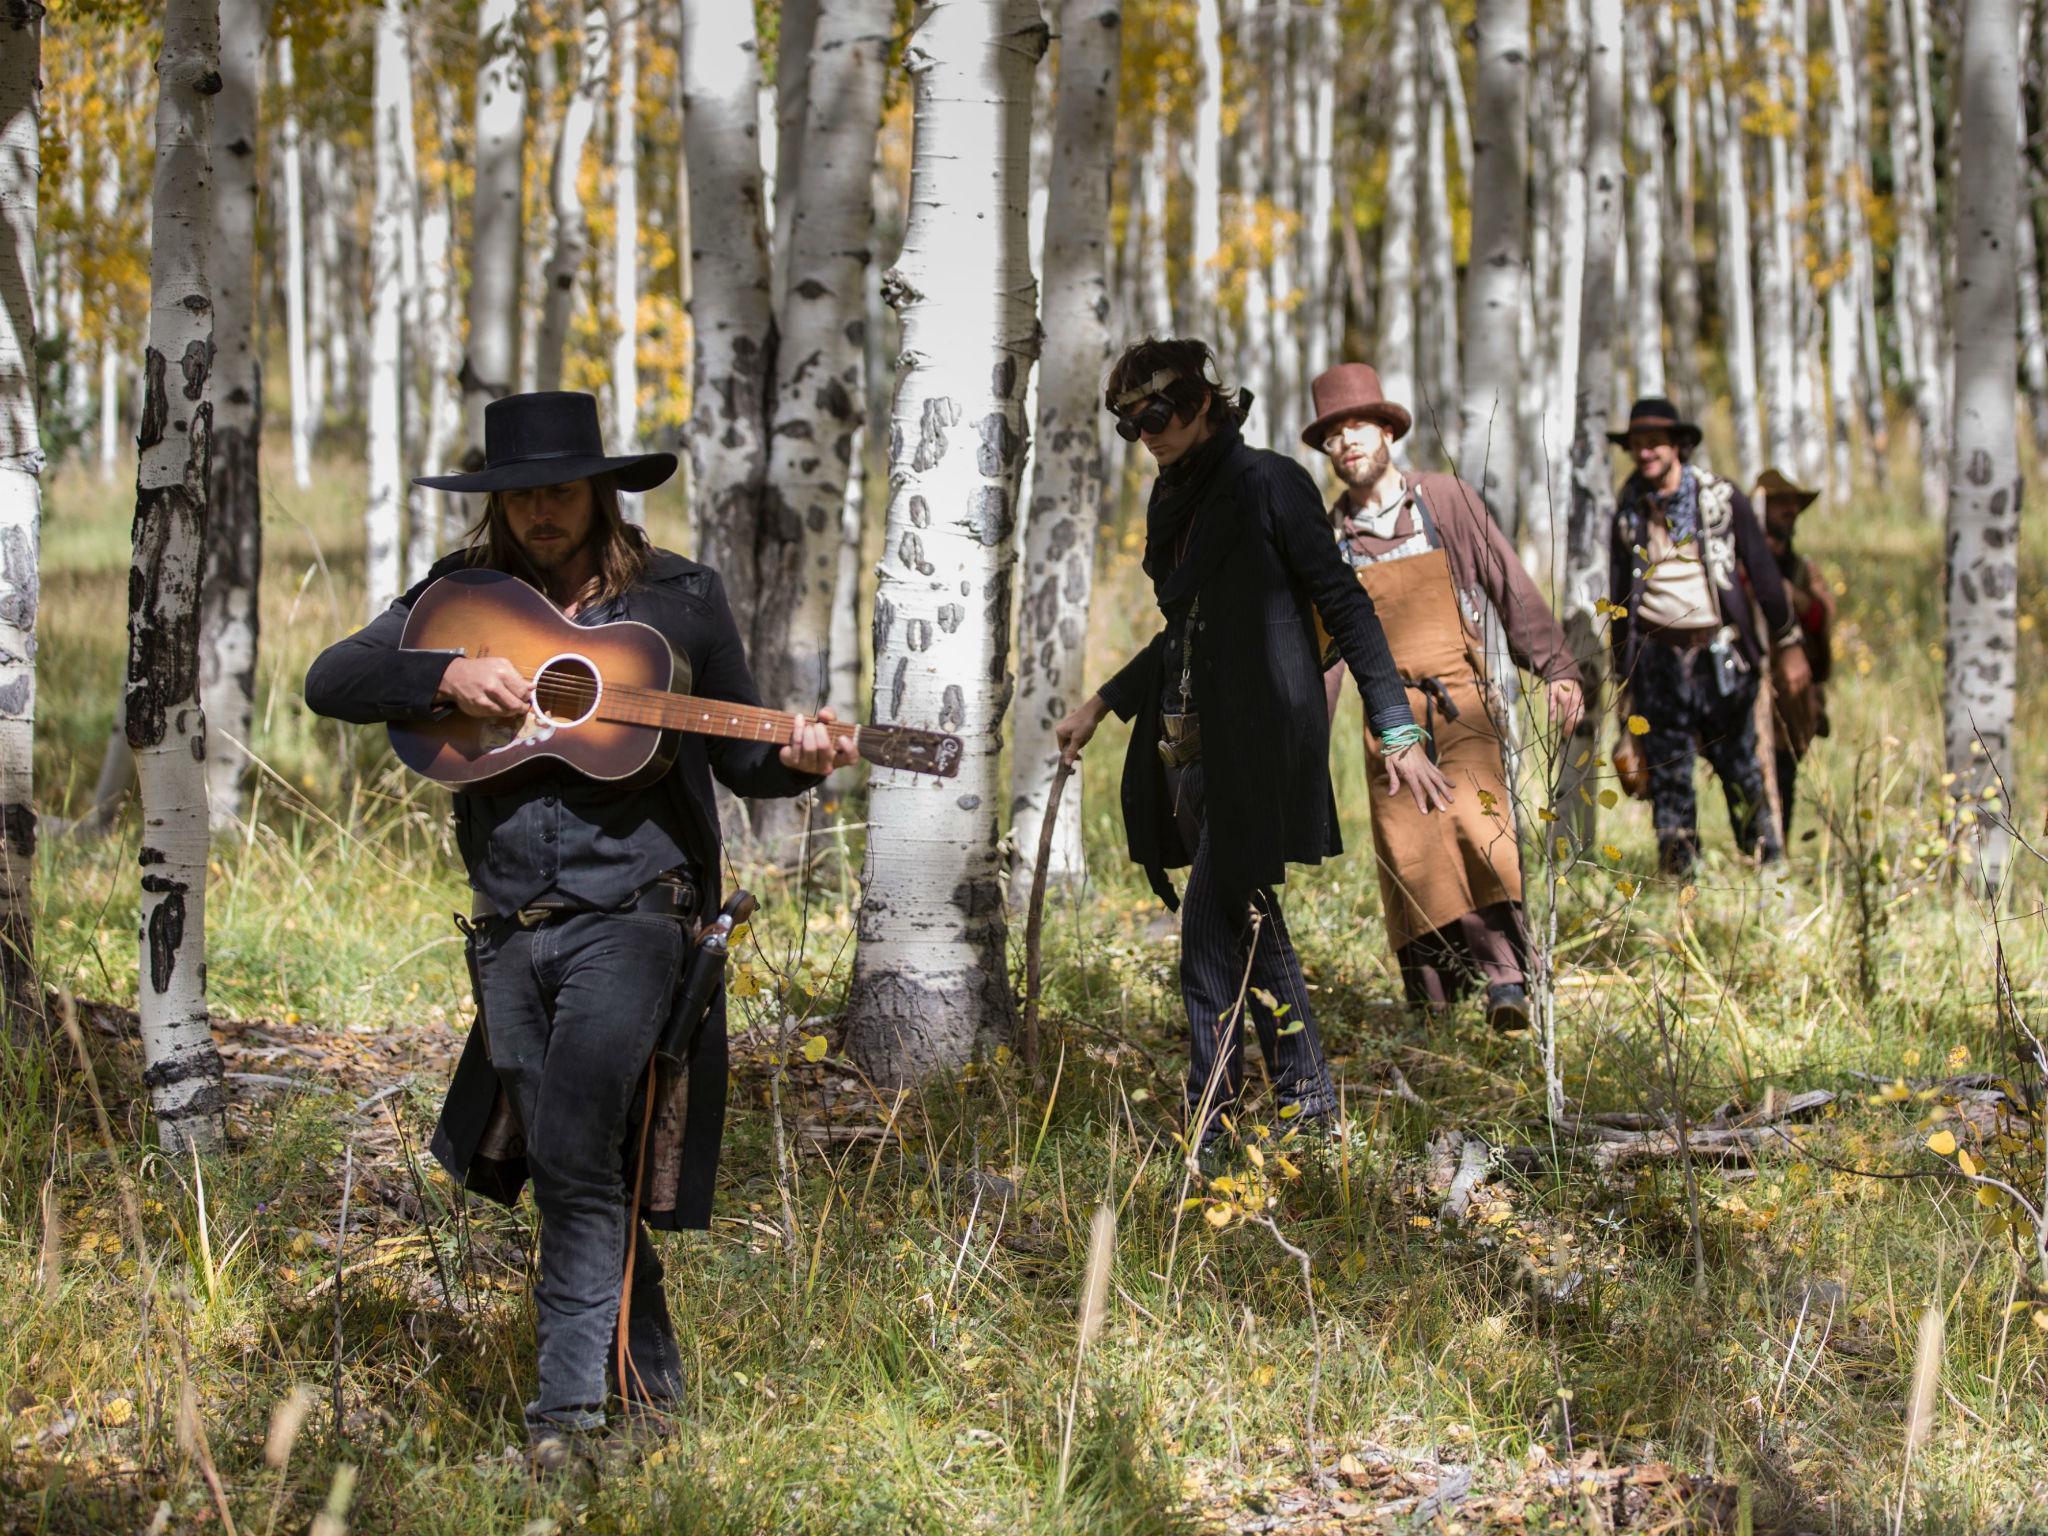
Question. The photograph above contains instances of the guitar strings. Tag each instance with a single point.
(554, 692)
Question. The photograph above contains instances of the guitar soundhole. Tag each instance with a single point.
(565, 691)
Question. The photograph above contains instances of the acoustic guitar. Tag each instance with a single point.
(606, 697)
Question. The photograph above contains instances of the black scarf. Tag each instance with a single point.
(1176, 493)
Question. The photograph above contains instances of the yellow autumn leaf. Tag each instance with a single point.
(1991, 1199)
(1609, 799)
(814, 1048)
(1942, 1144)
(1609, 852)
(2041, 1318)
(1218, 1216)
(1258, 1158)
(117, 1412)
(1968, 1163)
(1289, 1111)
(1264, 1376)
(1638, 726)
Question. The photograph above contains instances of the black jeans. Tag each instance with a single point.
(1218, 937)
(1676, 691)
(573, 1009)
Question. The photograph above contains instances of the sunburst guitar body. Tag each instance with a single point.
(605, 699)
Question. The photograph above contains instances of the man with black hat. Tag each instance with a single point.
(1228, 767)
(582, 896)
(1812, 602)
(1685, 553)
(1435, 564)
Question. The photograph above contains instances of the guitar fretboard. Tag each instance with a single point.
(679, 712)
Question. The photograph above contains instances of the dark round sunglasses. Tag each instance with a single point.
(1155, 415)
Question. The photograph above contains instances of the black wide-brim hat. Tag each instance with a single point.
(1654, 413)
(550, 438)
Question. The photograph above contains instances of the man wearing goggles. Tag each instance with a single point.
(1228, 768)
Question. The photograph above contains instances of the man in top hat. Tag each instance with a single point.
(1813, 607)
(1228, 767)
(1435, 564)
(582, 895)
(1684, 555)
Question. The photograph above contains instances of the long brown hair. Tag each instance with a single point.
(622, 549)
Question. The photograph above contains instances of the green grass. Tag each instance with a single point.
(900, 1360)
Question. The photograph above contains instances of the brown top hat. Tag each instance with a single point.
(1773, 482)
(1353, 389)
(1654, 413)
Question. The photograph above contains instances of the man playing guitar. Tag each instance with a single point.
(584, 889)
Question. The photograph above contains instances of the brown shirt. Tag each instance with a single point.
(1482, 563)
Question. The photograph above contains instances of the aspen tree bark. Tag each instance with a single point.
(572, 229)
(1981, 680)
(1844, 261)
(1592, 481)
(1153, 170)
(1281, 187)
(1921, 331)
(1488, 430)
(1645, 209)
(544, 75)
(1536, 490)
(1207, 243)
(440, 336)
(795, 38)
(929, 978)
(1325, 316)
(2033, 342)
(1436, 404)
(731, 317)
(384, 509)
(229, 590)
(328, 352)
(1070, 484)
(625, 378)
(1731, 234)
(1779, 335)
(1250, 356)
(297, 374)
(112, 441)
(1681, 270)
(70, 277)
(1809, 422)
(1394, 346)
(166, 729)
(21, 506)
(490, 364)
(820, 394)
(844, 686)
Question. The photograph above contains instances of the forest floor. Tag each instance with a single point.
(1613, 1330)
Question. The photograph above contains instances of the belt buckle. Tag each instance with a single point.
(533, 917)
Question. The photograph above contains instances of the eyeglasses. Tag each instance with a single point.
(1155, 415)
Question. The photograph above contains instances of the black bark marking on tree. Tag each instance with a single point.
(917, 635)
(988, 515)
(18, 563)
(911, 552)
(885, 621)
(950, 615)
(166, 935)
(939, 413)
(1004, 379)
(999, 444)
(156, 405)
(896, 686)
(969, 802)
(920, 512)
(952, 708)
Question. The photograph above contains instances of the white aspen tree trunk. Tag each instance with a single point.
(229, 590)
(796, 36)
(322, 242)
(21, 507)
(1681, 252)
(1153, 171)
(440, 337)
(1809, 321)
(71, 279)
(1281, 181)
(571, 247)
(844, 688)
(423, 508)
(930, 978)
(1920, 250)
(112, 439)
(297, 376)
(1592, 480)
(1646, 210)
(1325, 317)
(1394, 346)
(1207, 234)
(1779, 333)
(166, 729)
(732, 320)
(1731, 234)
(1249, 358)
(384, 509)
(490, 365)
(545, 90)
(1843, 187)
(820, 393)
(625, 378)
(1488, 430)
(1981, 677)
(1070, 485)
(1875, 383)
(1536, 491)
(1909, 240)
(1436, 409)
(2026, 258)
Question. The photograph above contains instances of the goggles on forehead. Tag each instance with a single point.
(1153, 412)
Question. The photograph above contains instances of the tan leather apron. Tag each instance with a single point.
(1436, 868)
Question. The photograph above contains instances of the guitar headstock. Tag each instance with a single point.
(914, 751)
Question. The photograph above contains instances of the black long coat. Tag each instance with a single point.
(1262, 559)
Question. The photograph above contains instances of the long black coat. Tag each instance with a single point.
(1264, 565)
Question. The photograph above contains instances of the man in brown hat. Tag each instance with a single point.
(1683, 547)
(1813, 608)
(1435, 563)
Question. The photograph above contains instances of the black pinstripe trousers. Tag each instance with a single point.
(1221, 933)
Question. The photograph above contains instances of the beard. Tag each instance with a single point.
(1369, 474)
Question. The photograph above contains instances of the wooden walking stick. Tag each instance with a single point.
(1035, 915)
